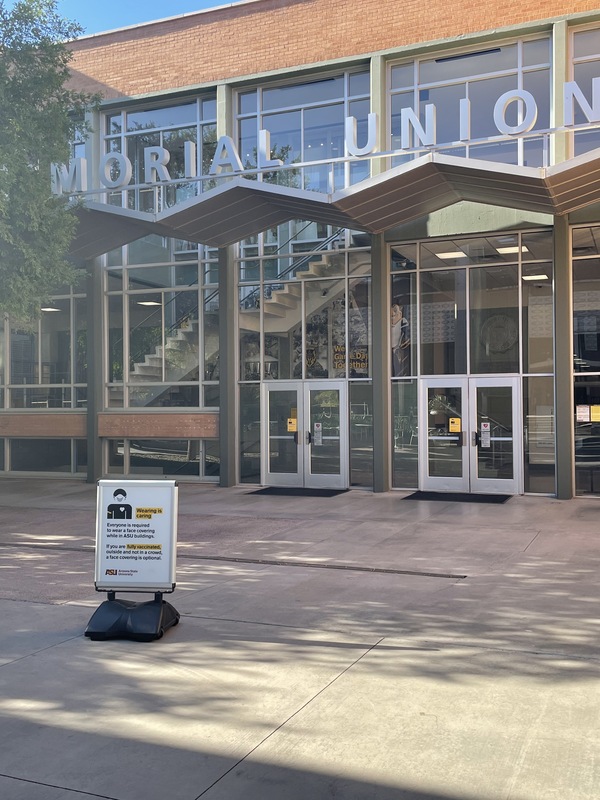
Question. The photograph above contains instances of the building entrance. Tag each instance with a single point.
(469, 435)
(305, 434)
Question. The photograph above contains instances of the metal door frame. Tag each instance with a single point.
(303, 477)
(469, 482)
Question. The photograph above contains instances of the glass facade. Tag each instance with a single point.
(44, 365)
(473, 306)
(454, 82)
(586, 359)
(305, 122)
(163, 317)
(174, 127)
(586, 69)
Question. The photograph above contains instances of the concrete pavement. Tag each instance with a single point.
(360, 646)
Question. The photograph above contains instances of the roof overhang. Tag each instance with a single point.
(240, 207)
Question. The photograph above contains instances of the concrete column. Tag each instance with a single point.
(95, 369)
(382, 454)
(379, 106)
(228, 424)
(559, 142)
(563, 361)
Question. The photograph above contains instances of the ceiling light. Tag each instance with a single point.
(453, 254)
(535, 277)
(50, 308)
(148, 303)
(513, 249)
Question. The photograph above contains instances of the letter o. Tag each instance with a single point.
(503, 102)
(124, 170)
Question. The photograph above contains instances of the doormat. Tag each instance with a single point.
(292, 491)
(459, 497)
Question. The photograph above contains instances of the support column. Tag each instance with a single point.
(227, 367)
(382, 454)
(563, 361)
(95, 371)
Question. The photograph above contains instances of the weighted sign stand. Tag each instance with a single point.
(136, 525)
(127, 619)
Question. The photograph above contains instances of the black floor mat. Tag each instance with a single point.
(459, 497)
(292, 491)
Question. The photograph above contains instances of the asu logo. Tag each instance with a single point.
(110, 572)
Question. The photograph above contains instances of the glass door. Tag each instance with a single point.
(283, 454)
(495, 448)
(443, 435)
(468, 436)
(305, 435)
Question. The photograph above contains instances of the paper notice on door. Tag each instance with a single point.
(485, 435)
(582, 413)
(317, 434)
(454, 425)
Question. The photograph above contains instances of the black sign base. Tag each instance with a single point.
(127, 619)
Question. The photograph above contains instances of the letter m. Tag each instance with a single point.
(69, 179)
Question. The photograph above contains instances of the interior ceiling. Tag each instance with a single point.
(240, 208)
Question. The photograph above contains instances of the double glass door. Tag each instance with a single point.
(305, 434)
(469, 435)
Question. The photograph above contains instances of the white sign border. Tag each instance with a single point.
(100, 582)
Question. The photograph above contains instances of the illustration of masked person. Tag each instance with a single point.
(119, 509)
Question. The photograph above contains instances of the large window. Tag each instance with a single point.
(45, 365)
(131, 131)
(586, 67)
(305, 314)
(163, 326)
(478, 78)
(306, 124)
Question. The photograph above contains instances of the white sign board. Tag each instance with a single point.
(136, 535)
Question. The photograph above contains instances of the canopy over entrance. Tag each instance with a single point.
(240, 207)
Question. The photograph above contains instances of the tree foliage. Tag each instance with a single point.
(38, 118)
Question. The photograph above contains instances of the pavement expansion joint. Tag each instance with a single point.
(315, 565)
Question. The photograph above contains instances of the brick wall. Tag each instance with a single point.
(267, 35)
(37, 425)
(158, 426)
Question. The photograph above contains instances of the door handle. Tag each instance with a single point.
(308, 437)
(475, 439)
(462, 439)
(295, 437)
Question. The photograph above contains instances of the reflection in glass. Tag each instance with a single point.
(587, 434)
(165, 457)
(586, 314)
(283, 449)
(403, 320)
(249, 332)
(325, 331)
(164, 396)
(495, 456)
(40, 455)
(325, 431)
(211, 335)
(361, 434)
(538, 411)
(538, 323)
(249, 434)
(405, 435)
(494, 319)
(444, 450)
(443, 328)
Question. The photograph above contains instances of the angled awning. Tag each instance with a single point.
(240, 207)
